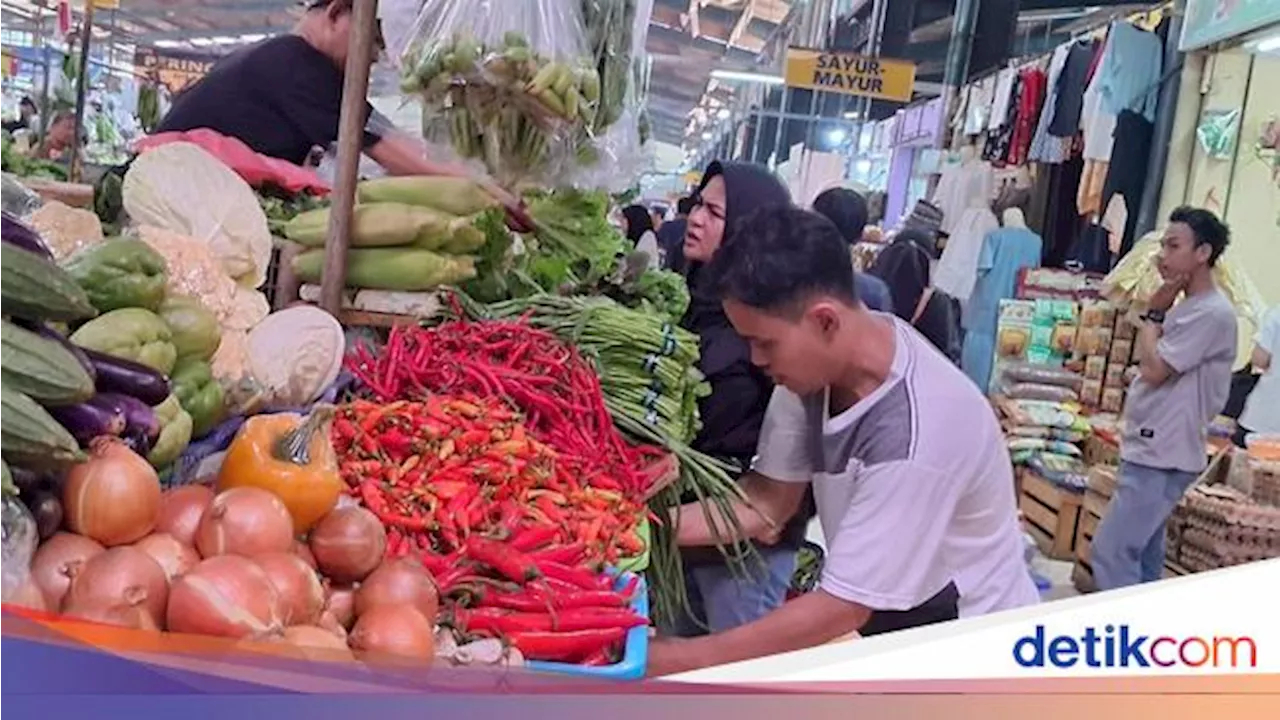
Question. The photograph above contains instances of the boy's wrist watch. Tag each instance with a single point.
(1154, 316)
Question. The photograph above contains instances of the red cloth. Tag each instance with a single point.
(256, 169)
(1030, 99)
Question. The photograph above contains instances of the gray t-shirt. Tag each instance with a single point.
(1165, 425)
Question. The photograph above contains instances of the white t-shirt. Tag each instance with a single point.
(1262, 409)
(913, 485)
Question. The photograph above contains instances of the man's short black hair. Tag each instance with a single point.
(846, 208)
(781, 258)
(685, 205)
(1207, 229)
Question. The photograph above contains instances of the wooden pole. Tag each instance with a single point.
(355, 88)
(82, 87)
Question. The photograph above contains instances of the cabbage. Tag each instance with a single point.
(181, 188)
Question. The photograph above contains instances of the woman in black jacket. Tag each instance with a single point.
(905, 266)
(732, 414)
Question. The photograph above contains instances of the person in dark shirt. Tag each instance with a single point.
(26, 113)
(734, 411)
(671, 236)
(906, 268)
(283, 96)
(847, 210)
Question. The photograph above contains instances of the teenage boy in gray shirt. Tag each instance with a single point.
(1185, 359)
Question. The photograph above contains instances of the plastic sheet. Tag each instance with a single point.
(19, 544)
(256, 169)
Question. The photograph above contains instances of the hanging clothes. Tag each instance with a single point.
(1070, 90)
(1045, 147)
(999, 139)
(1002, 98)
(1096, 122)
(957, 269)
(1130, 77)
(1031, 91)
(1005, 252)
(1127, 172)
(1053, 211)
(978, 111)
(961, 187)
(1089, 195)
(1090, 251)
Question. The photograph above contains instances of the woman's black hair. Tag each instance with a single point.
(639, 221)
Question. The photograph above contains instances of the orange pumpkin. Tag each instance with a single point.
(288, 455)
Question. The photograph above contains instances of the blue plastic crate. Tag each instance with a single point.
(635, 654)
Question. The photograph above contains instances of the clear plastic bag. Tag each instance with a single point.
(19, 544)
(19, 200)
(509, 82)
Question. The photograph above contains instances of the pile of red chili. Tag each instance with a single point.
(512, 536)
(438, 471)
(550, 383)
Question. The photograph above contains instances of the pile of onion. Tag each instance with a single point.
(394, 630)
(244, 521)
(122, 582)
(301, 595)
(113, 497)
(173, 556)
(56, 560)
(399, 582)
(180, 512)
(225, 596)
(348, 544)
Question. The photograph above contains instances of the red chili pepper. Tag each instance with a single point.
(565, 645)
(588, 599)
(534, 538)
(575, 576)
(598, 658)
(506, 561)
(564, 554)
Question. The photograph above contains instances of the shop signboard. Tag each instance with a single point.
(850, 74)
(1211, 21)
(173, 69)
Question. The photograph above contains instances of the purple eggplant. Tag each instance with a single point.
(16, 233)
(117, 375)
(89, 420)
(46, 332)
(139, 418)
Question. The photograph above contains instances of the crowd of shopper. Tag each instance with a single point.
(836, 393)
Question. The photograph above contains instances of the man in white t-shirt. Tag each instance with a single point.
(908, 465)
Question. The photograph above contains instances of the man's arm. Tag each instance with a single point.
(810, 620)
(398, 154)
(1151, 367)
(772, 504)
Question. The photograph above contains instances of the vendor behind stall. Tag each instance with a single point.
(59, 138)
(283, 96)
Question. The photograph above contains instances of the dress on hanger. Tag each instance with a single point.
(1030, 98)
(1070, 90)
(961, 187)
(957, 269)
(1004, 253)
(1046, 147)
(1130, 80)
(1002, 100)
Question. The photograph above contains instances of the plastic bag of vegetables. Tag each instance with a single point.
(512, 83)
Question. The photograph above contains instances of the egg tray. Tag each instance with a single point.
(1231, 507)
(1198, 559)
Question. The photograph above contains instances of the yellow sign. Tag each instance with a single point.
(107, 4)
(851, 74)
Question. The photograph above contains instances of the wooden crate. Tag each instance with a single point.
(1050, 513)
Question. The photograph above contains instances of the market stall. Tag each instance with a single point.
(472, 457)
